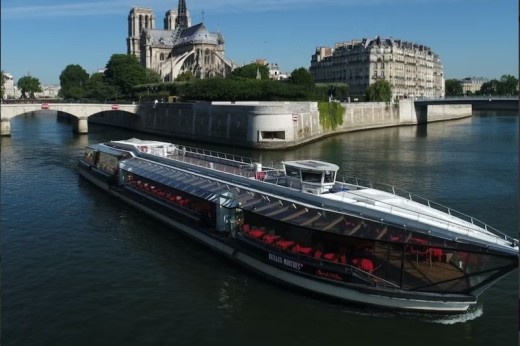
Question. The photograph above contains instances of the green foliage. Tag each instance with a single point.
(153, 91)
(29, 85)
(453, 87)
(2, 83)
(380, 91)
(152, 76)
(331, 115)
(73, 79)
(125, 72)
(251, 71)
(219, 89)
(338, 91)
(508, 85)
(96, 88)
(185, 76)
(489, 88)
(302, 77)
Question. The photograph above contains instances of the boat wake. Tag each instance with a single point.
(470, 315)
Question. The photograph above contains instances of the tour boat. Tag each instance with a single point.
(301, 225)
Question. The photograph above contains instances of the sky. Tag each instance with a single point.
(474, 38)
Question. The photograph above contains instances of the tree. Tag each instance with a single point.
(380, 91)
(490, 88)
(96, 88)
(331, 115)
(185, 76)
(302, 77)
(152, 76)
(124, 71)
(29, 85)
(453, 87)
(251, 71)
(73, 80)
(3, 78)
(508, 85)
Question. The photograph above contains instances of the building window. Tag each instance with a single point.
(273, 135)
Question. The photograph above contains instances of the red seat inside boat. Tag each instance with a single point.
(271, 238)
(331, 257)
(364, 264)
(285, 244)
(305, 250)
(256, 233)
(436, 253)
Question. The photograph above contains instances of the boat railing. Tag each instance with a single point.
(232, 164)
(243, 166)
(364, 183)
(229, 159)
(371, 278)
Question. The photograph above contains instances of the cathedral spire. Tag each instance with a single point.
(182, 15)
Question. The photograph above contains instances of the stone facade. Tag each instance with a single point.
(10, 89)
(412, 69)
(471, 85)
(179, 47)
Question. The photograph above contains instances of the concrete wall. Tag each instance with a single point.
(447, 112)
(270, 125)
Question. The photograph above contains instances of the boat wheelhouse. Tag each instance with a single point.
(299, 225)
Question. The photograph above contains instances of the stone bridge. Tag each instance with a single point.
(478, 103)
(80, 113)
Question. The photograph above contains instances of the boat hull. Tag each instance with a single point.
(261, 261)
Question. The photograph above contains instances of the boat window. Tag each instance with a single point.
(89, 155)
(311, 177)
(107, 163)
(292, 172)
(329, 177)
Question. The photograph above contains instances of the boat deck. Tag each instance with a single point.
(244, 170)
(420, 269)
(382, 201)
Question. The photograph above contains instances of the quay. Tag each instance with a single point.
(257, 125)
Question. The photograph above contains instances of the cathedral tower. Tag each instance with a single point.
(182, 16)
(139, 18)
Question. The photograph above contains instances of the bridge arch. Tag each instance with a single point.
(80, 113)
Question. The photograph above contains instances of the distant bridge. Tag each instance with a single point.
(80, 112)
(477, 102)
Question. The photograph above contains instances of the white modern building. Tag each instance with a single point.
(412, 69)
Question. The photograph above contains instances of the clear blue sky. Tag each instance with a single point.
(473, 37)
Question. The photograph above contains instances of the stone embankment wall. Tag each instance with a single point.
(270, 125)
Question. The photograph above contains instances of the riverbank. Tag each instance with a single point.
(271, 125)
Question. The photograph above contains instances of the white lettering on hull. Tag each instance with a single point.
(286, 262)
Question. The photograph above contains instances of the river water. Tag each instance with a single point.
(81, 268)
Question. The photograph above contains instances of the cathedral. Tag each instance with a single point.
(179, 47)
